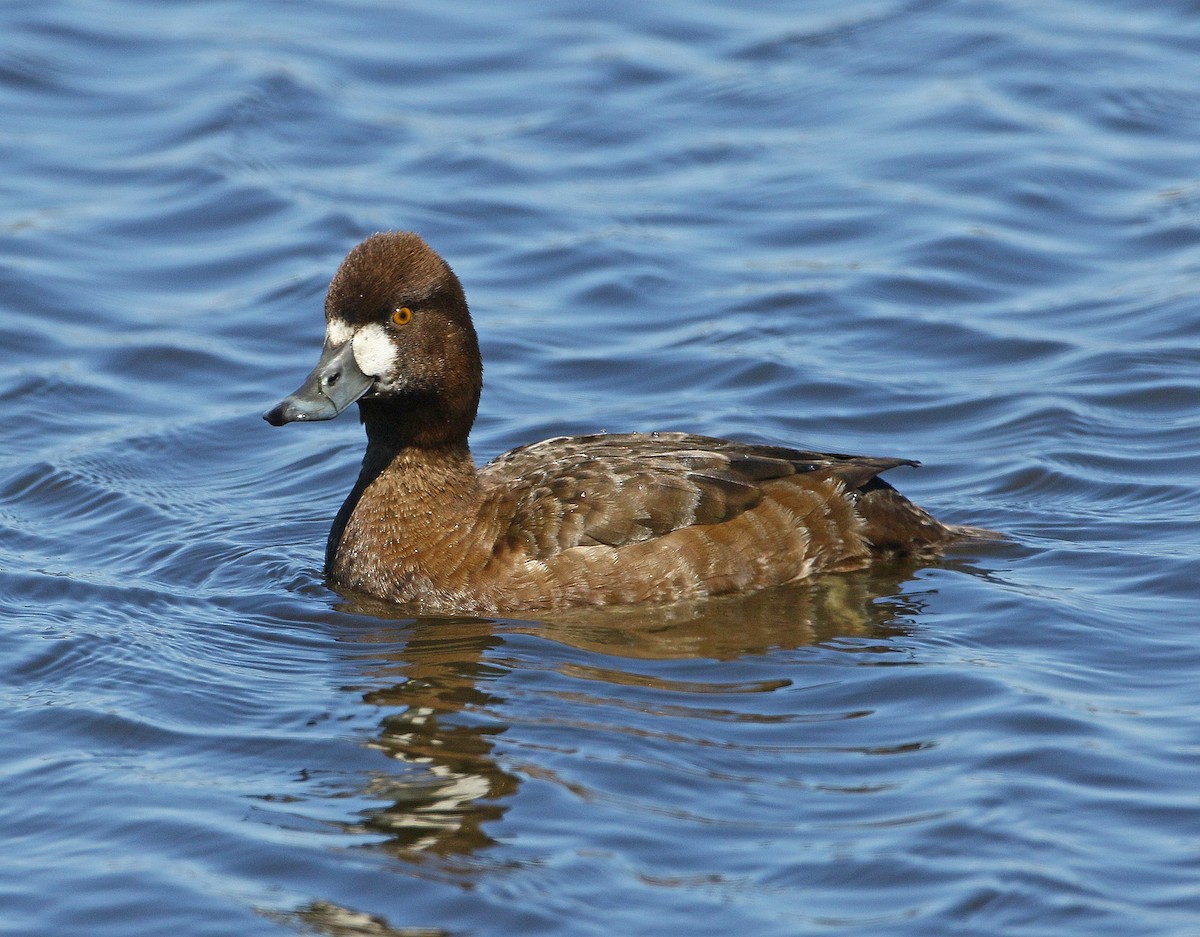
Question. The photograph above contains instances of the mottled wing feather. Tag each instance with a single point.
(619, 489)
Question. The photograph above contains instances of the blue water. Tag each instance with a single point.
(962, 232)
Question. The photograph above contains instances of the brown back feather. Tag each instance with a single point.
(625, 488)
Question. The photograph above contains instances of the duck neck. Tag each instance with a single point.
(407, 482)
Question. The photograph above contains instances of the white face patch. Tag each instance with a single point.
(373, 350)
(337, 332)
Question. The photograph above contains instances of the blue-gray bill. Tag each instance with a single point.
(334, 384)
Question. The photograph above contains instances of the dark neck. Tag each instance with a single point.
(414, 420)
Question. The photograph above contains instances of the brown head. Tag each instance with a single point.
(399, 340)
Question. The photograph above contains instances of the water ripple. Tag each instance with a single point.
(974, 245)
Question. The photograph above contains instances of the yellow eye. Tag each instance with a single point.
(402, 316)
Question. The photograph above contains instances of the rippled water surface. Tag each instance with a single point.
(962, 232)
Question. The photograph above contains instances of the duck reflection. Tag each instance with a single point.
(334, 920)
(434, 691)
(441, 688)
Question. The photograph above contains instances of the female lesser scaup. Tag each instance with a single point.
(573, 520)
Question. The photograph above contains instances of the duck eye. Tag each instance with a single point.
(402, 316)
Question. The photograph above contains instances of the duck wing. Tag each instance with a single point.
(615, 489)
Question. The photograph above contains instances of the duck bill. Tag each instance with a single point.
(335, 383)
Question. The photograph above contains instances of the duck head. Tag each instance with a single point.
(399, 341)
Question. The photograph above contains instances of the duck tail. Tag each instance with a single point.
(964, 533)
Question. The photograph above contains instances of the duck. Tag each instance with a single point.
(601, 519)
